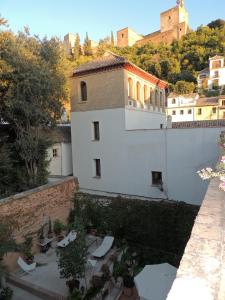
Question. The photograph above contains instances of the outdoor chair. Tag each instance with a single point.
(68, 239)
(25, 267)
(104, 248)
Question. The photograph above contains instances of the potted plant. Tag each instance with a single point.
(58, 227)
(6, 294)
(128, 282)
(50, 231)
(26, 248)
(41, 234)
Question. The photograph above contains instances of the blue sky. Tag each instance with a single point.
(99, 17)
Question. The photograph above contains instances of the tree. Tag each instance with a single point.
(87, 46)
(3, 22)
(184, 87)
(33, 86)
(219, 23)
(112, 39)
(77, 47)
(72, 259)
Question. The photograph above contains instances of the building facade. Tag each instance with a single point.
(213, 78)
(122, 143)
(191, 107)
(173, 25)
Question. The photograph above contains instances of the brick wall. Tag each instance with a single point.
(201, 275)
(30, 209)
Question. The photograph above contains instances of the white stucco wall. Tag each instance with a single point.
(61, 165)
(129, 156)
(141, 119)
(67, 164)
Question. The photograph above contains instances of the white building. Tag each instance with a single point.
(60, 153)
(181, 107)
(214, 76)
(120, 140)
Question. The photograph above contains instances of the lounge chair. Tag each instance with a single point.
(105, 247)
(25, 267)
(68, 239)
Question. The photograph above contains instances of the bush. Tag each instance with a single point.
(6, 294)
(58, 227)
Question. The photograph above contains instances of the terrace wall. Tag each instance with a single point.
(201, 274)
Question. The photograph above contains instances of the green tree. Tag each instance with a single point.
(33, 86)
(184, 87)
(87, 46)
(112, 39)
(219, 23)
(77, 47)
(72, 259)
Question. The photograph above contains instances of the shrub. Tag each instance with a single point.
(58, 227)
(6, 294)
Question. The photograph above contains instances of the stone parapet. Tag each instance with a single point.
(201, 274)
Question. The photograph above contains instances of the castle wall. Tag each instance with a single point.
(127, 37)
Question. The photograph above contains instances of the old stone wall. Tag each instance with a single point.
(201, 274)
(30, 209)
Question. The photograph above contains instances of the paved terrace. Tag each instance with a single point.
(202, 270)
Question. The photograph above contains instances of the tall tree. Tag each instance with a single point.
(112, 39)
(87, 46)
(77, 47)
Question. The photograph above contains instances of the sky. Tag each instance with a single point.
(100, 17)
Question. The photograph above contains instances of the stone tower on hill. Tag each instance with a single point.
(173, 25)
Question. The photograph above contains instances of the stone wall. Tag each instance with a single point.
(30, 209)
(201, 274)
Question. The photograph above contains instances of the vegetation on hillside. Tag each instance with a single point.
(180, 61)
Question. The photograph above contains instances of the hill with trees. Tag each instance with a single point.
(180, 61)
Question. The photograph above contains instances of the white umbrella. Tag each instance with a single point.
(154, 281)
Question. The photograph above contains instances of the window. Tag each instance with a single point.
(173, 101)
(122, 35)
(181, 112)
(97, 167)
(138, 91)
(173, 112)
(96, 133)
(156, 178)
(216, 64)
(223, 102)
(83, 91)
(189, 111)
(216, 74)
(54, 152)
(199, 111)
(214, 110)
(156, 98)
(130, 88)
(161, 126)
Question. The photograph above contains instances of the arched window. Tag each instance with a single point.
(83, 91)
(145, 93)
(138, 91)
(130, 88)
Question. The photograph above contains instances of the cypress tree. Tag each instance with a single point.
(87, 46)
(112, 39)
(77, 47)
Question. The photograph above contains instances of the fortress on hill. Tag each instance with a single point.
(173, 25)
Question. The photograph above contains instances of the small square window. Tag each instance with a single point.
(173, 101)
(157, 178)
(214, 110)
(189, 111)
(181, 112)
(96, 132)
(199, 111)
(97, 163)
(173, 112)
(54, 152)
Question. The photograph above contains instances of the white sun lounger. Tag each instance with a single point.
(68, 239)
(105, 247)
(24, 266)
